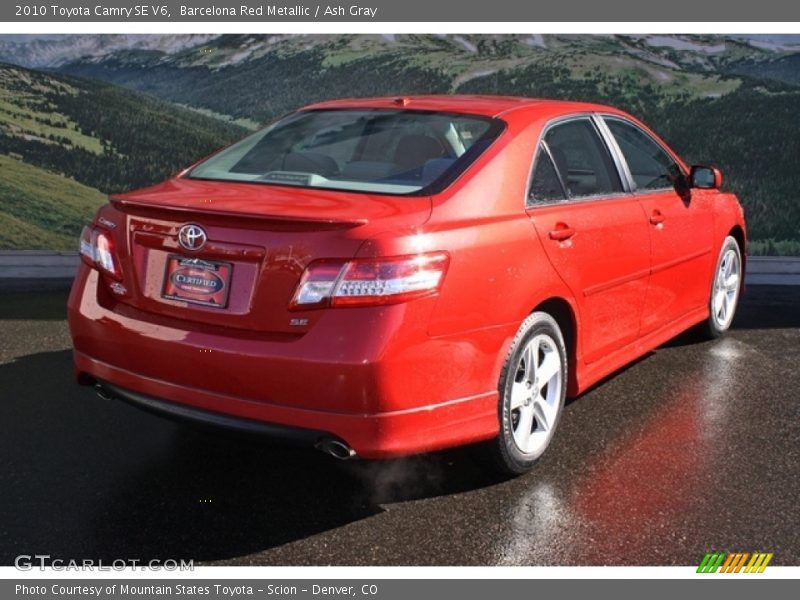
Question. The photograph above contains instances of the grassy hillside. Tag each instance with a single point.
(104, 136)
(39, 209)
(65, 142)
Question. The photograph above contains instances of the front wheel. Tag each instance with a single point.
(532, 389)
(724, 290)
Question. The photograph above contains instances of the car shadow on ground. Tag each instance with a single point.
(89, 478)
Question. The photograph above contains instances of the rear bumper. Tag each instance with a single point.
(377, 435)
(384, 391)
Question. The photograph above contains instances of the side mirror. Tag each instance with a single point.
(705, 178)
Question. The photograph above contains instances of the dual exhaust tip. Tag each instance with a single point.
(335, 448)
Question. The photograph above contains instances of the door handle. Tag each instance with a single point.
(657, 218)
(561, 232)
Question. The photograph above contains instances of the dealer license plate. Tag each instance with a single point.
(197, 281)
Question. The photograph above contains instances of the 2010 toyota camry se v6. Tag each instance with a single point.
(387, 276)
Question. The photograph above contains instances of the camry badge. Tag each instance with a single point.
(192, 237)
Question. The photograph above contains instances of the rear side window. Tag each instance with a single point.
(545, 182)
(582, 160)
(366, 150)
(650, 165)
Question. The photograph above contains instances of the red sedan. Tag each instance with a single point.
(387, 276)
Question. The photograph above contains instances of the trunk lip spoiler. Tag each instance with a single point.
(123, 203)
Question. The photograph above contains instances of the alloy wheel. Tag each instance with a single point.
(726, 289)
(536, 394)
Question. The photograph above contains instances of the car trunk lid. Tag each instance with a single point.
(258, 241)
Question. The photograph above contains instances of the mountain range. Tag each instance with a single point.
(729, 100)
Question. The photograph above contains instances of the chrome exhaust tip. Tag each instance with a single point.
(103, 392)
(335, 448)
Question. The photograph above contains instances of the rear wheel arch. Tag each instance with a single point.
(531, 391)
(564, 314)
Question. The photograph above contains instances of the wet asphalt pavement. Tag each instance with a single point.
(693, 448)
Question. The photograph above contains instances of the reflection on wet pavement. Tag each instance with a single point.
(655, 475)
(694, 448)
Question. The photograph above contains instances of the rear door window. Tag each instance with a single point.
(582, 160)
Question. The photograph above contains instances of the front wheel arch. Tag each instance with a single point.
(738, 234)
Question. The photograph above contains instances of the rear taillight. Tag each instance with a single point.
(97, 250)
(316, 284)
(87, 247)
(369, 281)
(104, 255)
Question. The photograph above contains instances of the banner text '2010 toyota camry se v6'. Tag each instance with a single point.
(388, 276)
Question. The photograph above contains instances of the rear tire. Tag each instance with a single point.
(532, 389)
(725, 290)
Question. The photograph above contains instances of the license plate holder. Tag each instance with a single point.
(197, 281)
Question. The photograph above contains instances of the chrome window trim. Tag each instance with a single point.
(582, 200)
(591, 117)
(628, 184)
(602, 118)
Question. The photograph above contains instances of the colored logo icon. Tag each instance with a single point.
(738, 562)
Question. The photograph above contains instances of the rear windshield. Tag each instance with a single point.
(364, 150)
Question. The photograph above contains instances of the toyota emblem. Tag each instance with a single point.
(192, 237)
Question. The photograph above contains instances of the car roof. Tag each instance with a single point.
(489, 106)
